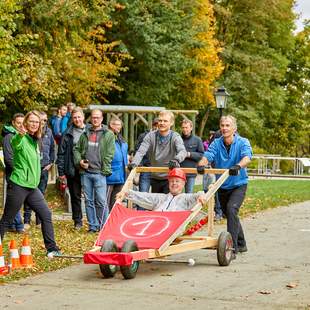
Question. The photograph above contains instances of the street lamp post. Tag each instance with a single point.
(221, 96)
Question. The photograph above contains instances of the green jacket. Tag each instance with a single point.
(107, 149)
(26, 161)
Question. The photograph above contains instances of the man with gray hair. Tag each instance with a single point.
(195, 150)
(165, 148)
(232, 152)
(66, 167)
(93, 155)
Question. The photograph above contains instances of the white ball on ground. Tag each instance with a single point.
(191, 262)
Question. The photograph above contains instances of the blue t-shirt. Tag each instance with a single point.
(218, 155)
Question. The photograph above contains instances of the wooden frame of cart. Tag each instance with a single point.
(128, 256)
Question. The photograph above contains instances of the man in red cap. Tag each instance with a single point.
(175, 200)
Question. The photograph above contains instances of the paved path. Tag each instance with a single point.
(274, 274)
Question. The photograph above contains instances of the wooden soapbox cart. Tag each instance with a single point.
(130, 236)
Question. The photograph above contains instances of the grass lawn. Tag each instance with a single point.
(261, 195)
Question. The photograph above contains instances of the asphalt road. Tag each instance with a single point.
(273, 274)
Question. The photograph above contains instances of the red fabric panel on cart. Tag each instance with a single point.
(108, 258)
(150, 229)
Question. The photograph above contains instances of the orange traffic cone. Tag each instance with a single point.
(14, 256)
(3, 269)
(25, 254)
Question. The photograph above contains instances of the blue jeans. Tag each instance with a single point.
(144, 185)
(189, 185)
(17, 224)
(208, 179)
(145, 182)
(95, 191)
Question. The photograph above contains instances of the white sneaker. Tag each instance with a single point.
(27, 226)
(52, 254)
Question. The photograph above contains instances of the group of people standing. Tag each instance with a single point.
(93, 157)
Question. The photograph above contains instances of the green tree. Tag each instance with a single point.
(67, 56)
(294, 129)
(10, 78)
(257, 38)
(156, 35)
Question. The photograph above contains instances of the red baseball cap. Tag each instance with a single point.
(177, 173)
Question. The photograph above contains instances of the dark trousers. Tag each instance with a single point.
(42, 187)
(160, 186)
(74, 185)
(16, 196)
(112, 190)
(231, 201)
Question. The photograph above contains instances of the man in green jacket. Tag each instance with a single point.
(93, 154)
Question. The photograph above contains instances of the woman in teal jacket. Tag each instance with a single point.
(24, 181)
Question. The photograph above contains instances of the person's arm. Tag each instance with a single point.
(77, 151)
(8, 151)
(142, 150)
(181, 152)
(109, 152)
(246, 155)
(146, 200)
(197, 155)
(17, 140)
(244, 161)
(193, 199)
(52, 149)
(60, 162)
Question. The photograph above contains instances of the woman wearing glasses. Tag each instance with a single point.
(24, 181)
(47, 151)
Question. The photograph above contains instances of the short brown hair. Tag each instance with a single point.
(115, 119)
(167, 112)
(77, 110)
(187, 121)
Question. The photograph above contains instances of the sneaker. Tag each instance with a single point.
(217, 218)
(52, 254)
(78, 226)
(27, 226)
(92, 231)
(242, 249)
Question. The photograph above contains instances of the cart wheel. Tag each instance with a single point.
(129, 272)
(108, 271)
(224, 248)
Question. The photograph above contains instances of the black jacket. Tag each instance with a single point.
(194, 146)
(65, 163)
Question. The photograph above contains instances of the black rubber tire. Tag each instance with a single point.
(224, 248)
(129, 272)
(108, 271)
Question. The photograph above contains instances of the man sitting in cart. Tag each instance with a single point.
(175, 200)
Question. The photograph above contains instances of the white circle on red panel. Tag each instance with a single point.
(144, 226)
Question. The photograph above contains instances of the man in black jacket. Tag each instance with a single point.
(66, 167)
(195, 150)
(8, 132)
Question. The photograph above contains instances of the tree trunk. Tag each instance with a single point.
(203, 121)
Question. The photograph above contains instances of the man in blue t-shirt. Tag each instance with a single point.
(232, 152)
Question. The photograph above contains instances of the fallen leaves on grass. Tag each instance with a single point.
(70, 241)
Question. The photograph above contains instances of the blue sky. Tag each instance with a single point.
(303, 8)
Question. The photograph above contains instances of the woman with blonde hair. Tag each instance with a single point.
(24, 181)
